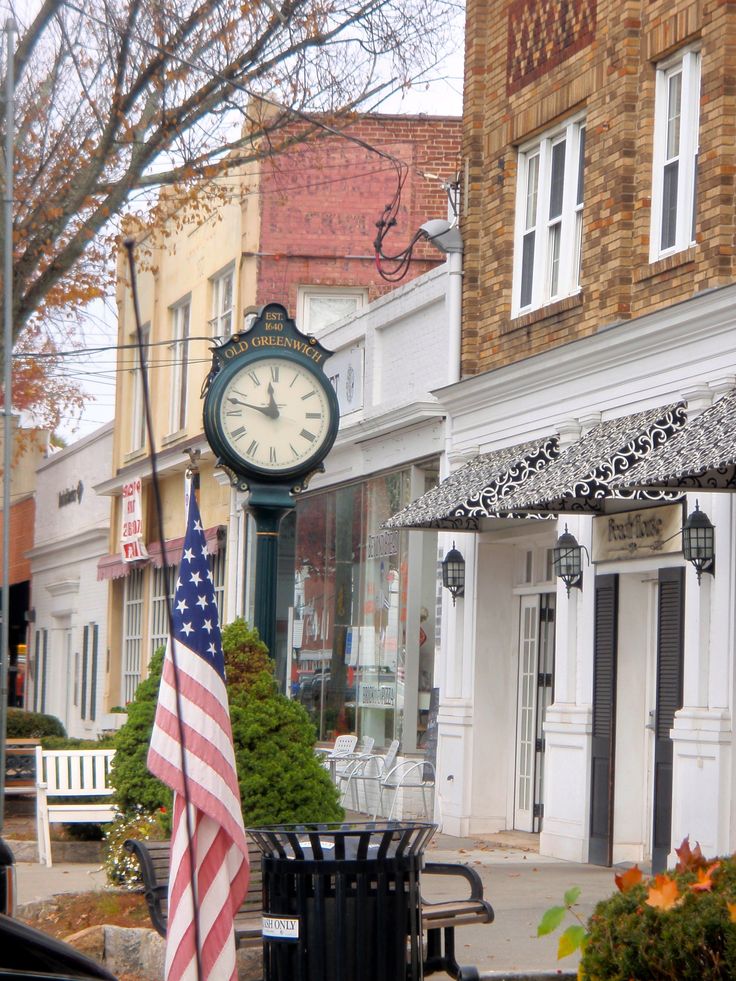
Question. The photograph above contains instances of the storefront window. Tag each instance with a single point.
(352, 656)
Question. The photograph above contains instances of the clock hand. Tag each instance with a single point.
(265, 409)
(272, 406)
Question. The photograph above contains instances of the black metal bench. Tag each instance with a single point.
(439, 919)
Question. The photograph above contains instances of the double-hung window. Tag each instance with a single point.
(221, 321)
(179, 353)
(675, 157)
(549, 217)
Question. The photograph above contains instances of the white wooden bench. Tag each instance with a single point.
(71, 773)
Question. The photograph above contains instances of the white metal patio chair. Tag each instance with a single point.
(345, 762)
(407, 775)
(342, 749)
(365, 770)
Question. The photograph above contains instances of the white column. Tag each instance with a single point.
(702, 731)
(567, 727)
(455, 677)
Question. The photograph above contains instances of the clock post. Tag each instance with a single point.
(268, 505)
(271, 417)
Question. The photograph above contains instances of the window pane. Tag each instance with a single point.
(325, 309)
(674, 102)
(557, 180)
(527, 269)
(227, 293)
(555, 234)
(532, 180)
(669, 205)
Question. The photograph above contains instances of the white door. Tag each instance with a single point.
(526, 733)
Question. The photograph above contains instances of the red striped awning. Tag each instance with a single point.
(113, 567)
(214, 537)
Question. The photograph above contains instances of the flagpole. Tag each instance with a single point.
(7, 382)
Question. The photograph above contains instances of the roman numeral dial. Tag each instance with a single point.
(276, 415)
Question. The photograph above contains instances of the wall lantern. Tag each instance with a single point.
(567, 560)
(453, 573)
(698, 544)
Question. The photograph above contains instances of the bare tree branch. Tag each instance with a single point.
(115, 96)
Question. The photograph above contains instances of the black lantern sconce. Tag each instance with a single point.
(698, 542)
(567, 560)
(453, 573)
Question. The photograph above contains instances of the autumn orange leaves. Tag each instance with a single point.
(664, 891)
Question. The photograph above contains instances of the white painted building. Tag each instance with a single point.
(602, 718)
(68, 615)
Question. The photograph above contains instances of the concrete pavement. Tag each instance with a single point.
(519, 883)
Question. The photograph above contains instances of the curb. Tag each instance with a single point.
(527, 976)
(61, 851)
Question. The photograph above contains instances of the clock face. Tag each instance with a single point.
(275, 416)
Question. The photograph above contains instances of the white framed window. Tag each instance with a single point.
(549, 217)
(320, 306)
(221, 318)
(138, 424)
(132, 633)
(675, 156)
(179, 354)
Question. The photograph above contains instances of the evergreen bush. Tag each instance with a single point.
(281, 779)
(22, 724)
(135, 787)
(72, 742)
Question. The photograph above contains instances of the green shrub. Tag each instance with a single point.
(135, 787)
(281, 779)
(71, 742)
(22, 724)
(676, 926)
(122, 868)
(246, 656)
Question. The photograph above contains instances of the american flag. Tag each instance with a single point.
(215, 862)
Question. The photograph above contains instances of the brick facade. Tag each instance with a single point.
(607, 68)
(22, 516)
(320, 203)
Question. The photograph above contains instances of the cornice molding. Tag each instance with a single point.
(706, 317)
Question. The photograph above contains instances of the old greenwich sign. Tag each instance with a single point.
(633, 534)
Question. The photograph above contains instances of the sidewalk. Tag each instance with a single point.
(519, 883)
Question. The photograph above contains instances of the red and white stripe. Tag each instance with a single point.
(218, 849)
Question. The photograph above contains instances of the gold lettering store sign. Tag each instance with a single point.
(634, 534)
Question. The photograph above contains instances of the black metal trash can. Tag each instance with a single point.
(341, 902)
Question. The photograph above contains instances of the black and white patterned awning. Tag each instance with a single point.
(701, 456)
(477, 489)
(581, 479)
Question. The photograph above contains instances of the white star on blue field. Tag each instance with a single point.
(194, 615)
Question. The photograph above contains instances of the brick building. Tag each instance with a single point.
(297, 229)
(598, 221)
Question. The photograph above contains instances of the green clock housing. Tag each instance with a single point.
(270, 413)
